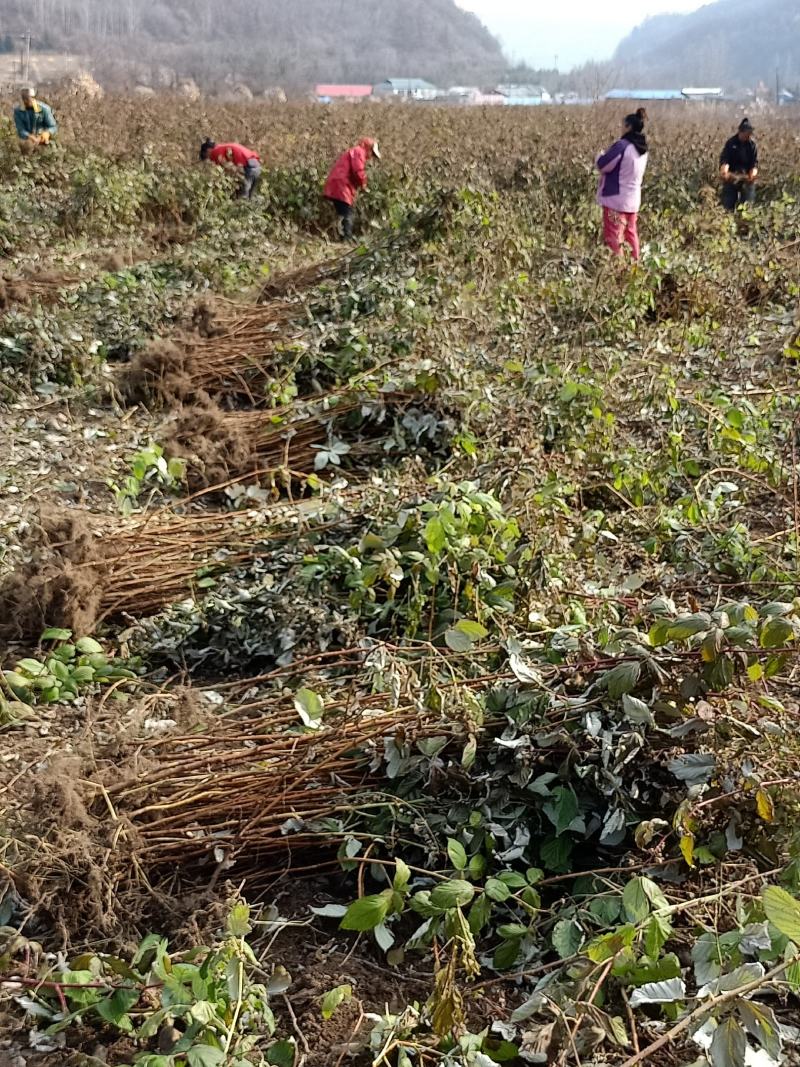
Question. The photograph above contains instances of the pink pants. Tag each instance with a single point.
(619, 226)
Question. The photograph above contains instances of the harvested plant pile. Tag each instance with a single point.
(86, 568)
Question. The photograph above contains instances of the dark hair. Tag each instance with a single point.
(206, 147)
(637, 120)
(745, 126)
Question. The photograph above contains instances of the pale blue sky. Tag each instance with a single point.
(573, 30)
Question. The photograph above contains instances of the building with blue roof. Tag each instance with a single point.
(645, 94)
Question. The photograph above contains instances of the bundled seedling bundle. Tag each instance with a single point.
(339, 429)
(45, 288)
(86, 567)
(238, 358)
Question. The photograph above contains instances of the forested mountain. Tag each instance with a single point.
(732, 43)
(263, 42)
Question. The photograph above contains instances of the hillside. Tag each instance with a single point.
(735, 43)
(284, 42)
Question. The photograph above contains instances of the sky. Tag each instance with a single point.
(574, 30)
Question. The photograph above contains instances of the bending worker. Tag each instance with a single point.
(238, 160)
(738, 168)
(34, 121)
(349, 175)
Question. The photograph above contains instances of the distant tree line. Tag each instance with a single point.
(292, 43)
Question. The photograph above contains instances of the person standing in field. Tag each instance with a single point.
(34, 121)
(622, 170)
(237, 159)
(738, 168)
(347, 177)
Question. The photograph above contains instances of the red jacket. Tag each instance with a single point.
(233, 153)
(349, 173)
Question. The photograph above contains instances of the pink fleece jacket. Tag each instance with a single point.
(621, 173)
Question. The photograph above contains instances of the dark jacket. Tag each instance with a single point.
(741, 156)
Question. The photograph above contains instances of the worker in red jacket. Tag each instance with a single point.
(347, 176)
(237, 159)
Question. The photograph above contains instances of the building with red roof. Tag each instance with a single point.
(347, 93)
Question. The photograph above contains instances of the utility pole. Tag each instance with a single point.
(25, 57)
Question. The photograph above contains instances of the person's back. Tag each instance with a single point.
(238, 159)
(347, 176)
(233, 153)
(622, 170)
(621, 187)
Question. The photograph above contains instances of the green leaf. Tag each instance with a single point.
(689, 625)
(87, 645)
(506, 955)
(759, 1021)
(783, 911)
(457, 854)
(282, 1054)
(499, 1051)
(367, 912)
(402, 876)
(567, 938)
(435, 536)
(310, 708)
(56, 633)
(728, 1045)
(462, 636)
(776, 633)
(640, 896)
(635, 901)
(239, 920)
(497, 890)
(203, 1011)
(555, 854)
(205, 1056)
(562, 809)
(34, 667)
(479, 913)
(115, 1008)
(656, 935)
(622, 679)
(609, 945)
(152, 1023)
(334, 997)
(453, 894)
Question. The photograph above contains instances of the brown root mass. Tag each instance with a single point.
(61, 584)
(164, 373)
(216, 445)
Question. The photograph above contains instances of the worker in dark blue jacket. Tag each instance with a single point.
(738, 168)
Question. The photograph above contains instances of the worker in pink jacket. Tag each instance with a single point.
(622, 170)
(349, 175)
